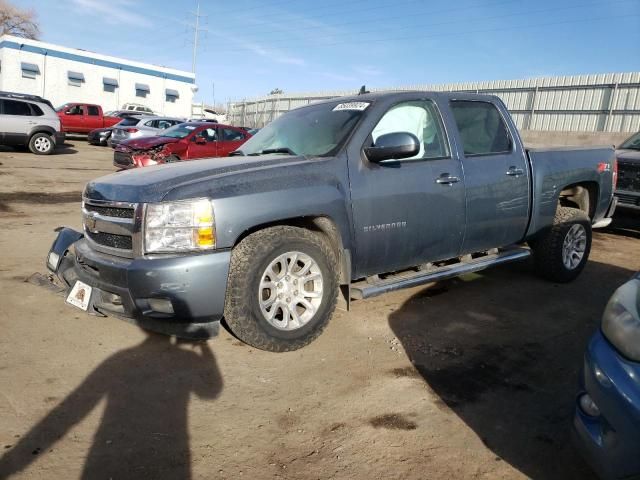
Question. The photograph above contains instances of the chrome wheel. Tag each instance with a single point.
(42, 144)
(290, 291)
(574, 246)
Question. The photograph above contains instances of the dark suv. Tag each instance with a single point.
(29, 120)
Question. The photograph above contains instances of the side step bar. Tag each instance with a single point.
(364, 289)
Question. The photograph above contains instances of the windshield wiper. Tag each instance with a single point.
(286, 150)
(236, 153)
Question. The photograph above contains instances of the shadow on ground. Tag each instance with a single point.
(143, 432)
(504, 353)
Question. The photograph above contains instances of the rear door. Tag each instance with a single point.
(230, 140)
(410, 211)
(496, 175)
(93, 119)
(16, 121)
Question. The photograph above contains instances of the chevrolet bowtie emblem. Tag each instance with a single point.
(90, 222)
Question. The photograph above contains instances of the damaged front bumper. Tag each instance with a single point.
(181, 295)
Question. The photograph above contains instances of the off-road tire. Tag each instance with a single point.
(33, 144)
(547, 249)
(249, 259)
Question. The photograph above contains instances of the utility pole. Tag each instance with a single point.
(196, 32)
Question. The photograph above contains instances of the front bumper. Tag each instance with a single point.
(60, 138)
(194, 284)
(610, 442)
(628, 199)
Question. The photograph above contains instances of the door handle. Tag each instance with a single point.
(515, 172)
(446, 179)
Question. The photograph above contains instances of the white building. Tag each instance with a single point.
(63, 75)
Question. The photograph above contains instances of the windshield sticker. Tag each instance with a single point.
(358, 106)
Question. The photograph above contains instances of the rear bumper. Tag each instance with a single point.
(610, 442)
(194, 285)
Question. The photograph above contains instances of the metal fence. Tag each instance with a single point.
(607, 102)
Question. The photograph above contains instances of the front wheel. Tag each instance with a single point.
(42, 144)
(561, 254)
(282, 288)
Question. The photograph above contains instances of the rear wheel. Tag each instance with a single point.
(42, 144)
(282, 288)
(561, 254)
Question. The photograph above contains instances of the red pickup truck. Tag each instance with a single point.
(83, 117)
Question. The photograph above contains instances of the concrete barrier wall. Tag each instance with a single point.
(535, 138)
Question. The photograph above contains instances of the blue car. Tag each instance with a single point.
(607, 417)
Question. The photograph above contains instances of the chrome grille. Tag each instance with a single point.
(629, 176)
(112, 227)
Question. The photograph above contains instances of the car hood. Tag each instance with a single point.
(628, 155)
(211, 178)
(146, 143)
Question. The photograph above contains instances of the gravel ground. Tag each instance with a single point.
(471, 378)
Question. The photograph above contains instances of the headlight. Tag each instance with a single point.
(621, 320)
(179, 226)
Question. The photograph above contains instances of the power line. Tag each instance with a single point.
(427, 25)
(469, 32)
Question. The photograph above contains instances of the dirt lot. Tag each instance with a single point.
(473, 378)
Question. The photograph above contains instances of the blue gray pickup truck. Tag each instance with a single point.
(347, 198)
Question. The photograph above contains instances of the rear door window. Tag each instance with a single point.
(93, 110)
(231, 135)
(14, 107)
(482, 129)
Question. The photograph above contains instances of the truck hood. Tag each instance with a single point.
(145, 143)
(631, 156)
(192, 179)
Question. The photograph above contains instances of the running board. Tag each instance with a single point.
(366, 289)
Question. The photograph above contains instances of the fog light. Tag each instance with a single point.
(52, 261)
(161, 305)
(588, 406)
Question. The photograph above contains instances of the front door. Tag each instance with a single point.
(410, 211)
(496, 176)
(203, 144)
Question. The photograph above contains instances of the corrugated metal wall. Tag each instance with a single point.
(607, 102)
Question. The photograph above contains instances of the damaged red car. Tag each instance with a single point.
(186, 141)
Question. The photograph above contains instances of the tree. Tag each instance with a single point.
(18, 22)
(276, 91)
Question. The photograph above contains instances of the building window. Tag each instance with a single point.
(109, 84)
(142, 90)
(75, 79)
(29, 70)
(171, 95)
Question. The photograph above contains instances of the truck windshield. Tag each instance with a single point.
(62, 107)
(179, 131)
(316, 130)
(632, 143)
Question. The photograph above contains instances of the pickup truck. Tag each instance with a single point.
(628, 156)
(350, 198)
(83, 117)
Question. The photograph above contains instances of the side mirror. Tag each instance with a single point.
(200, 140)
(393, 146)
